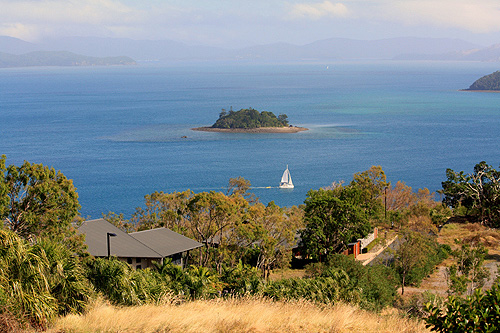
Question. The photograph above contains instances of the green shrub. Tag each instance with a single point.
(113, 279)
(195, 282)
(320, 289)
(173, 275)
(202, 282)
(377, 283)
(477, 313)
(65, 275)
(241, 280)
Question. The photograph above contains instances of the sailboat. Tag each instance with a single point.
(286, 179)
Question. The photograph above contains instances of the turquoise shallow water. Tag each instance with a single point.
(117, 131)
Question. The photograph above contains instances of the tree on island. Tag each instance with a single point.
(249, 118)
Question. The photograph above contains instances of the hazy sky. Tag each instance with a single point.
(247, 22)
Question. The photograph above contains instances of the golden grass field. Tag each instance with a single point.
(238, 315)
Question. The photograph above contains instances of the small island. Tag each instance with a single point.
(488, 83)
(251, 121)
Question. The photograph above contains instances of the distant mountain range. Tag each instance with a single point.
(489, 54)
(408, 48)
(343, 49)
(59, 58)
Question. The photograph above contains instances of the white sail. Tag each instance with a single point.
(286, 179)
(286, 175)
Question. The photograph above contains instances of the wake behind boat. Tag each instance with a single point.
(286, 179)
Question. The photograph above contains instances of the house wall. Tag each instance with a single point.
(368, 239)
(139, 263)
(353, 248)
(142, 263)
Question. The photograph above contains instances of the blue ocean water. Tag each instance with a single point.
(117, 131)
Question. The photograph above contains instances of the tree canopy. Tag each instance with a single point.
(250, 118)
(334, 218)
(478, 192)
(36, 200)
(233, 226)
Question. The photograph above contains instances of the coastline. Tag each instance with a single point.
(291, 129)
(477, 90)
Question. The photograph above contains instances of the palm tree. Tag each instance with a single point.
(24, 281)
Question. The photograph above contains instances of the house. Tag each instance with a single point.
(356, 248)
(167, 243)
(139, 249)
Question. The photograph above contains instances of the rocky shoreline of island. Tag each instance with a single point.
(481, 90)
(289, 129)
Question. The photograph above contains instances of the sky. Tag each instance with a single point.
(238, 23)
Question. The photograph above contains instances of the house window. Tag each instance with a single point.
(129, 261)
(177, 258)
(138, 267)
(137, 260)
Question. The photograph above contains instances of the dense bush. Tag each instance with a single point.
(377, 283)
(436, 254)
(113, 279)
(38, 282)
(122, 285)
(332, 287)
(241, 280)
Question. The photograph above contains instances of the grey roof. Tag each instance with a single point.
(165, 241)
(123, 245)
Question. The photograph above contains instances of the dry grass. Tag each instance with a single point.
(248, 315)
(470, 232)
(9, 324)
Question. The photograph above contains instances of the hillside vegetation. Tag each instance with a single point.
(47, 280)
(249, 118)
(487, 82)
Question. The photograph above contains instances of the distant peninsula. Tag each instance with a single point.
(251, 121)
(56, 58)
(490, 82)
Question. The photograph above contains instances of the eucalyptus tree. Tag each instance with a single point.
(168, 210)
(478, 192)
(209, 220)
(412, 252)
(373, 181)
(36, 200)
(272, 231)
